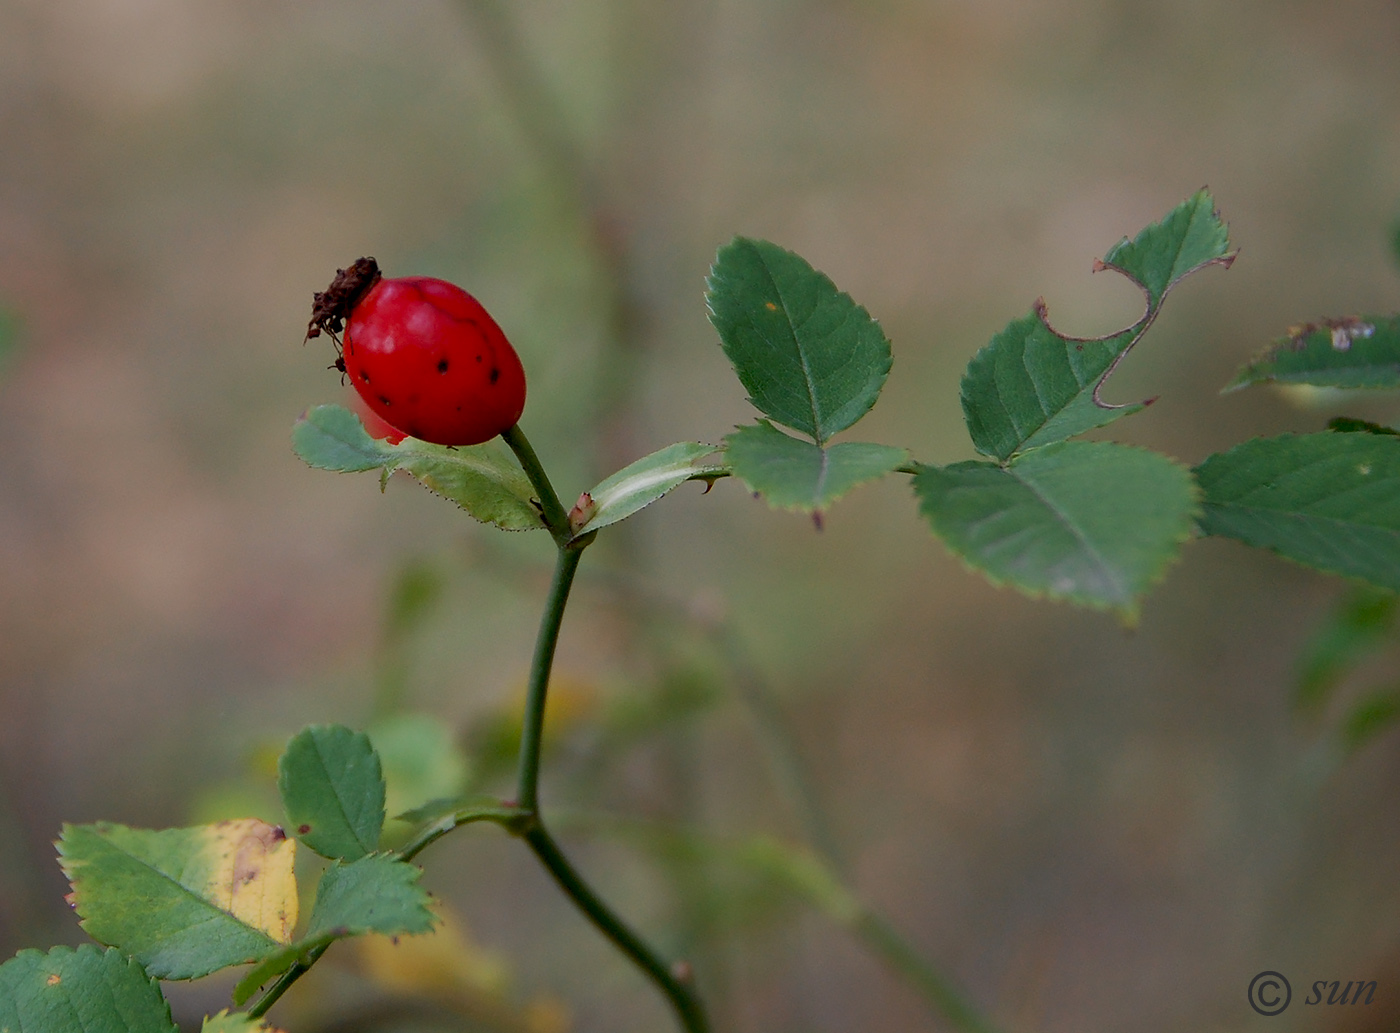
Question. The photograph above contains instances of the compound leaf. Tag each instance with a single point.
(1094, 523)
(809, 356)
(639, 484)
(794, 474)
(375, 894)
(479, 478)
(333, 791)
(1032, 385)
(1329, 501)
(1361, 622)
(184, 902)
(87, 990)
(1347, 352)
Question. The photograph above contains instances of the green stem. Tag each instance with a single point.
(680, 994)
(285, 980)
(687, 1006)
(526, 819)
(556, 517)
(502, 814)
(532, 732)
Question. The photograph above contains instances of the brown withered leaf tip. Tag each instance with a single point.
(332, 306)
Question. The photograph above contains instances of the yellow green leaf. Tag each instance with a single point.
(184, 902)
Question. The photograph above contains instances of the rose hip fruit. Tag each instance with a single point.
(423, 354)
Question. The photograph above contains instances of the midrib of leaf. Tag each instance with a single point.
(1079, 535)
(335, 791)
(633, 486)
(205, 901)
(801, 356)
(821, 477)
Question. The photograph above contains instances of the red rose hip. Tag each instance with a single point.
(423, 354)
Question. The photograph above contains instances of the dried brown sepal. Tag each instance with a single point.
(331, 307)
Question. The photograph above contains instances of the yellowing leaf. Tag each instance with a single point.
(253, 878)
(184, 902)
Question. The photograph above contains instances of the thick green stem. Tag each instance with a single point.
(682, 997)
(529, 824)
(556, 517)
(525, 817)
(532, 730)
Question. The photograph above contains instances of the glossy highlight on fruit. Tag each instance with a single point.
(423, 354)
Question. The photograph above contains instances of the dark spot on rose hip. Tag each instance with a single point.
(385, 400)
(495, 375)
(442, 365)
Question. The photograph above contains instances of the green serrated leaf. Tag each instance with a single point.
(639, 484)
(420, 758)
(1094, 523)
(238, 1022)
(479, 478)
(1032, 385)
(375, 894)
(1191, 236)
(1371, 716)
(87, 990)
(1329, 501)
(333, 790)
(1349, 352)
(809, 356)
(183, 902)
(798, 475)
(1362, 621)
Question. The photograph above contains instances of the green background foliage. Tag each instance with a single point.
(1038, 800)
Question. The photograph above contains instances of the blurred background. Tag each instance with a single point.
(834, 770)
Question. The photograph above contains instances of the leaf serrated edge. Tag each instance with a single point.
(1127, 614)
(800, 507)
(856, 307)
(390, 459)
(1351, 578)
(1138, 328)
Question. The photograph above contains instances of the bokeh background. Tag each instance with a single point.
(1083, 827)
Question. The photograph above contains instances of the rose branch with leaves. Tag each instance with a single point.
(1095, 523)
